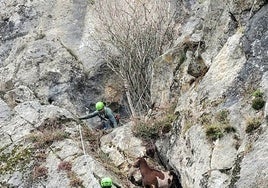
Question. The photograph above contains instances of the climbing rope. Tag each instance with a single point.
(81, 138)
(86, 159)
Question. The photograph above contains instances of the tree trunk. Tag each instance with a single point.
(132, 110)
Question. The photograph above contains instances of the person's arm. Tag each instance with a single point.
(111, 117)
(93, 114)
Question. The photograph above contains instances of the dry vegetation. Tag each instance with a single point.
(92, 141)
(155, 126)
(216, 125)
(39, 172)
(130, 35)
(253, 124)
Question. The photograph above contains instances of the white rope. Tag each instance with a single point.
(81, 137)
(84, 151)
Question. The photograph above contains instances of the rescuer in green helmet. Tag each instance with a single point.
(106, 182)
(108, 119)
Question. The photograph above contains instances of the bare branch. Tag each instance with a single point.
(130, 35)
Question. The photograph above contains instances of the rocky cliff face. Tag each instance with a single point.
(220, 97)
(48, 78)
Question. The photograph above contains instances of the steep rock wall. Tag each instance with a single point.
(48, 77)
(237, 66)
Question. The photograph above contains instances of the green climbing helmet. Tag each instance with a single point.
(106, 182)
(99, 105)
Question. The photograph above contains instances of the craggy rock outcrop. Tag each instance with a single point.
(42, 73)
(28, 153)
(221, 98)
(253, 169)
(48, 77)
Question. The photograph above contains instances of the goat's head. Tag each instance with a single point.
(136, 164)
(138, 161)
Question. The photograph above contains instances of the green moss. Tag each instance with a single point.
(257, 93)
(15, 160)
(213, 132)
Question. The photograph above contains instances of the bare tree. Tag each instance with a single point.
(130, 34)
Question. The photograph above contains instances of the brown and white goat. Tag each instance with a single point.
(152, 178)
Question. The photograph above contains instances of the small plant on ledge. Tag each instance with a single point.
(258, 102)
(213, 132)
(253, 124)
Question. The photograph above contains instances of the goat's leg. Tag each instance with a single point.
(133, 178)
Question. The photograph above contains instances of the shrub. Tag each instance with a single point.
(153, 128)
(217, 125)
(213, 132)
(229, 129)
(146, 131)
(166, 128)
(40, 172)
(258, 103)
(74, 180)
(65, 165)
(47, 137)
(257, 93)
(164, 125)
(253, 124)
(222, 116)
(205, 119)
